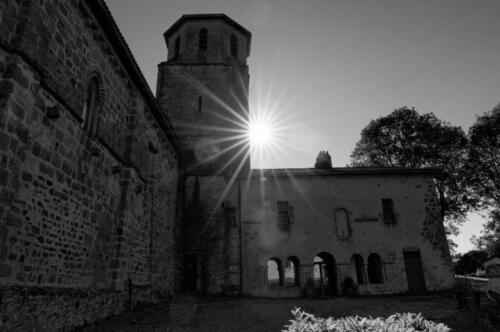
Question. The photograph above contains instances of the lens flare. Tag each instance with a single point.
(260, 133)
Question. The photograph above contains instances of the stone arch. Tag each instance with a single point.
(375, 269)
(358, 269)
(325, 274)
(274, 272)
(292, 271)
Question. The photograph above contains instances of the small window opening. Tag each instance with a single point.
(283, 215)
(200, 103)
(234, 46)
(388, 211)
(177, 47)
(202, 39)
(342, 224)
(274, 276)
(90, 116)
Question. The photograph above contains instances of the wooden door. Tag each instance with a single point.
(189, 273)
(414, 272)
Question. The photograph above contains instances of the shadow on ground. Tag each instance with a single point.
(220, 314)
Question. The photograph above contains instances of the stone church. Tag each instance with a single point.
(111, 196)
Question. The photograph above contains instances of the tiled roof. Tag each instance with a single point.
(282, 172)
(200, 17)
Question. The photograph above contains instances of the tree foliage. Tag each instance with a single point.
(489, 240)
(483, 174)
(470, 261)
(406, 138)
(483, 162)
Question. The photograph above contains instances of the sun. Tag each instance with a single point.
(260, 133)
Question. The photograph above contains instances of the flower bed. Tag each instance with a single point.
(399, 322)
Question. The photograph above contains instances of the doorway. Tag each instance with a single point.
(325, 274)
(414, 272)
(189, 273)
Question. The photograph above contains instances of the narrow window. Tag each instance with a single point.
(283, 215)
(375, 273)
(90, 116)
(359, 267)
(200, 102)
(274, 276)
(292, 276)
(342, 224)
(388, 211)
(234, 46)
(177, 48)
(202, 40)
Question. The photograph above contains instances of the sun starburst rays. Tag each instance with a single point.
(239, 135)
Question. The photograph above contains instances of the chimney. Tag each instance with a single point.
(323, 160)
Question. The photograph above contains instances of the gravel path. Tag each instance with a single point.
(222, 314)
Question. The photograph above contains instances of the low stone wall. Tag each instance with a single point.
(56, 309)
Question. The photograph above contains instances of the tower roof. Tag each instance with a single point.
(203, 17)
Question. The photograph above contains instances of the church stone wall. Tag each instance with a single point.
(314, 200)
(85, 220)
(211, 233)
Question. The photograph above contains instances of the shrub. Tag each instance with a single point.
(399, 322)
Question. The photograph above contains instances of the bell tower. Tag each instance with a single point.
(203, 87)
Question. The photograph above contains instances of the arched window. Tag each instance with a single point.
(292, 276)
(90, 110)
(375, 273)
(177, 47)
(342, 224)
(234, 46)
(202, 39)
(274, 276)
(359, 268)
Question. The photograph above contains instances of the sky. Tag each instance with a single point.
(325, 68)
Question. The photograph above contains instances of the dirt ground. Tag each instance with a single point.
(188, 313)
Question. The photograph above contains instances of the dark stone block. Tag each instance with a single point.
(13, 145)
(3, 233)
(23, 134)
(21, 154)
(4, 250)
(13, 71)
(6, 197)
(49, 171)
(6, 87)
(4, 141)
(5, 270)
(18, 111)
(4, 176)
(25, 176)
(13, 220)
(53, 112)
(36, 149)
(67, 169)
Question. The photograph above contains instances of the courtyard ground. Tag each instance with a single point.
(187, 313)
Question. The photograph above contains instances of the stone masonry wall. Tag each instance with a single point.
(314, 199)
(83, 218)
(211, 233)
